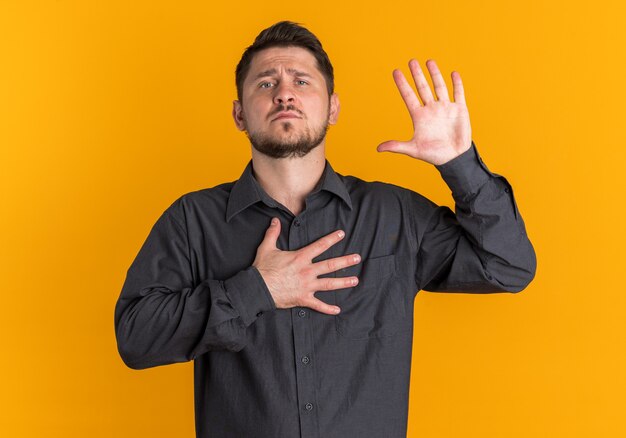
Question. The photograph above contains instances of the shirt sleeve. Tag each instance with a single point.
(483, 248)
(161, 317)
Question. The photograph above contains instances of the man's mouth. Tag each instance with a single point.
(286, 115)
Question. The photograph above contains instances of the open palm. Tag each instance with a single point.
(441, 128)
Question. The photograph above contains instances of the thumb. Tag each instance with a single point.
(401, 147)
(271, 235)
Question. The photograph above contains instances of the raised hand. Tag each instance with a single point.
(291, 277)
(441, 128)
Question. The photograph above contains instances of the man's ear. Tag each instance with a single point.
(238, 115)
(333, 113)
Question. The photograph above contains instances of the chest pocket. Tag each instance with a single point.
(373, 308)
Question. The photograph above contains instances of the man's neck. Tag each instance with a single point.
(289, 180)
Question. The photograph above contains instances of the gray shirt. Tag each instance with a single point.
(192, 294)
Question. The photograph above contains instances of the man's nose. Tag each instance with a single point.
(284, 94)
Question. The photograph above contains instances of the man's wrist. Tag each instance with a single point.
(249, 294)
(465, 173)
(457, 155)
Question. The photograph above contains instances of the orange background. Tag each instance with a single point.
(111, 110)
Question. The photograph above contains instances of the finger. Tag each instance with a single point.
(321, 306)
(271, 235)
(440, 85)
(408, 95)
(421, 84)
(322, 244)
(399, 147)
(334, 264)
(335, 283)
(457, 85)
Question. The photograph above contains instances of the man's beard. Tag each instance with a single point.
(298, 147)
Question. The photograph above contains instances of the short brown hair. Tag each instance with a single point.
(285, 34)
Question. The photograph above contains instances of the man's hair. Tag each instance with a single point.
(285, 34)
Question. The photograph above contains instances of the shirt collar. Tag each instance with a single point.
(247, 190)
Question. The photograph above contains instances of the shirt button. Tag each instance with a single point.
(305, 359)
(302, 313)
(308, 406)
(296, 223)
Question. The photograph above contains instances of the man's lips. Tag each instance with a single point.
(286, 115)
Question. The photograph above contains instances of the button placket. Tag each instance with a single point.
(302, 344)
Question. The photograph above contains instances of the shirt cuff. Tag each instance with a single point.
(249, 294)
(466, 173)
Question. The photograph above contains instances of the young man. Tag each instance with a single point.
(292, 288)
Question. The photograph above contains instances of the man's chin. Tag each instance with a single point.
(286, 144)
(284, 149)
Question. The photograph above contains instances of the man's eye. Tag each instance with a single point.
(301, 82)
(265, 85)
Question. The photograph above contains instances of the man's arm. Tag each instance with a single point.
(161, 317)
(484, 248)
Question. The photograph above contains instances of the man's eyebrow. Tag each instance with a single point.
(273, 71)
(295, 72)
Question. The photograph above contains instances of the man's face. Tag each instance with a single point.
(285, 108)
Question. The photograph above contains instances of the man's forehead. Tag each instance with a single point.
(292, 59)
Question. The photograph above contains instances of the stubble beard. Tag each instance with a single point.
(293, 148)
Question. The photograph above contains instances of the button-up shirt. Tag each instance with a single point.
(259, 371)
